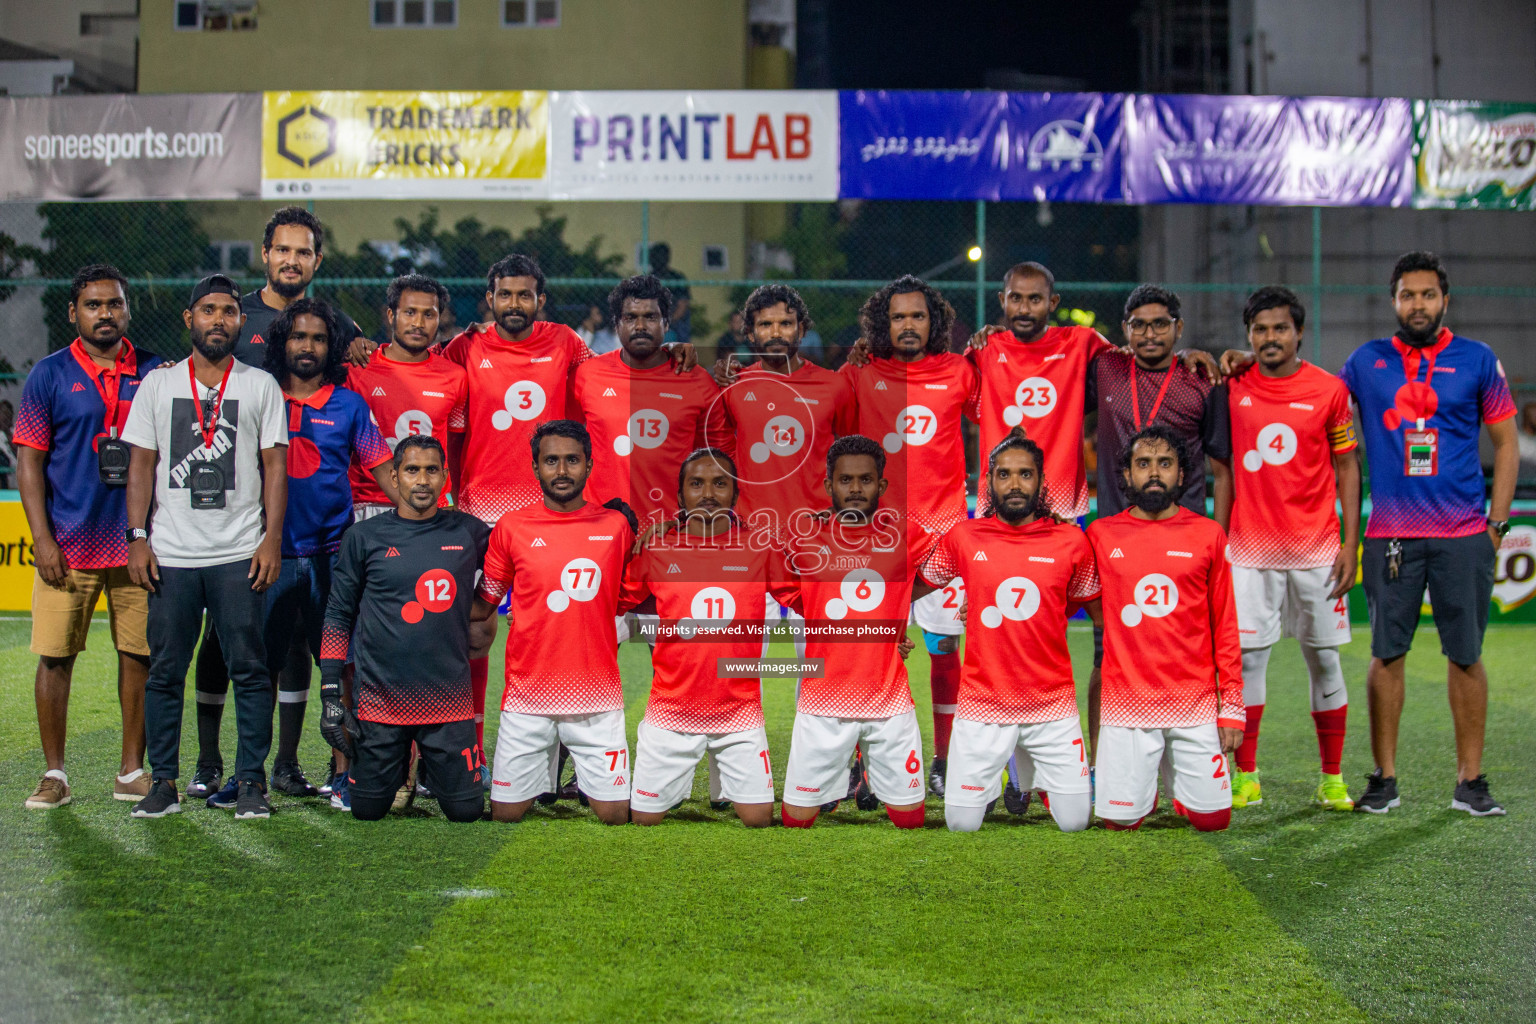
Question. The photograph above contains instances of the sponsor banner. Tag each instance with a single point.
(745, 145)
(129, 147)
(1268, 150)
(404, 145)
(1470, 155)
(981, 145)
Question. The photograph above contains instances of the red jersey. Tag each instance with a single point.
(564, 570)
(1022, 582)
(700, 581)
(851, 576)
(407, 398)
(513, 387)
(914, 410)
(784, 425)
(1171, 654)
(1040, 386)
(643, 425)
(1285, 431)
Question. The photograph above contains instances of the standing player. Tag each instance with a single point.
(912, 394)
(704, 577)
(1027, 573)
(855, 575)
(563, 561)
(1173, 684)
(409, 388)
(1292, 425)
(405, 582)
(644, 418)
(71, 472)
(787, 411)
(291, 251)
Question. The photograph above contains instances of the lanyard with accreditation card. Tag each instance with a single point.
(206, 481)
(112, 452)
(1157, 403)
(1421, 444)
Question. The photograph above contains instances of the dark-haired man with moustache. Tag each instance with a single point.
(292, 245)
(404, 584)
(209, 451)
(71, 471)
(1025, 574)
(1173, 682)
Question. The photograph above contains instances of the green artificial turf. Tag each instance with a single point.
(1296, 914)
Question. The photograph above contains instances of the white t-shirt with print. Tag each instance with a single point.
(164, 417)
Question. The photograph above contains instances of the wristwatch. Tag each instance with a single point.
(1501, 525)
(137, 533)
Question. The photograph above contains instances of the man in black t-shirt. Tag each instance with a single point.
(402, 590)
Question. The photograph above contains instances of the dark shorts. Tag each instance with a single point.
(1459, 574)
(451, 760)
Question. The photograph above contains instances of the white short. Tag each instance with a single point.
(930, 613)
(774, 614)
(362, 511)
(1292, 602)
(528, 747)
(819, 749)
(1050, 757)
(665, 762)
(1129, 762)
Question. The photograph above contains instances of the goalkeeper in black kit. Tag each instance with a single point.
(401, 595)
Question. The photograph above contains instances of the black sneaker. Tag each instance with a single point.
(855, 776)
(830, 806)
(252, 802)
(719, 805)
(162, 800)
(289, 780)
(206, 781)
(1381, 793)
(864, 798)
(936, 772)
(1473, 797)
(1015, 800)
(423, 791)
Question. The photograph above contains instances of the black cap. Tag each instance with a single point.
(213, 284)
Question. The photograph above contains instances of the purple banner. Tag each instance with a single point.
(981, 145)
(1268, 150)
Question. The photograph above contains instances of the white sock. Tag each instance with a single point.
(125, 779)
(57, 773)
(1327, 675)
(1070, 811)
(1255, 667)
(963, 819)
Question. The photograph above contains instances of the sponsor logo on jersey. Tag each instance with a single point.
(538, 542)
(806, 401)
(1042, 558)
(980, 556)
(750, 397)
(1058, 355)
(453, 547)
(1246, 401)
(1302, 405)
(879, 385)
(734, 568)
(325, 423)
(673, 569)
(378, 392)
(485, 364)
(642, 792)
(610, 393)
(78, 387)
(935, 387)
(668, 394)
(433, 394)
(1116, 554)
(542, 359)
(1181, 554)
(973, 789)
(600, 536)
(392, 552)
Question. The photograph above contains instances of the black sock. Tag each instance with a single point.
(290, 726)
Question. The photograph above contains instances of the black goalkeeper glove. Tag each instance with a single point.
(337, 722)
(617, 504)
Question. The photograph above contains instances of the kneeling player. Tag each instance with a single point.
(1173, 681)
(855, 580)
(405, 581)
(1026, 573)
(563, 560)
(706, 580)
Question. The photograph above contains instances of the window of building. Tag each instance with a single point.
(208, 16)
(530, 13)
(716, 259)
(415, 13)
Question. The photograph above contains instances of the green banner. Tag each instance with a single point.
(1472, 155)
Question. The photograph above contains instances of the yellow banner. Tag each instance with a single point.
(16, 566)
(404, 145)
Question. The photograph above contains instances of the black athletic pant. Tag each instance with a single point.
(176, 608)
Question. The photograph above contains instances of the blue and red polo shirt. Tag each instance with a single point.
(324, 430)
(1452, 387)
(63, 412)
